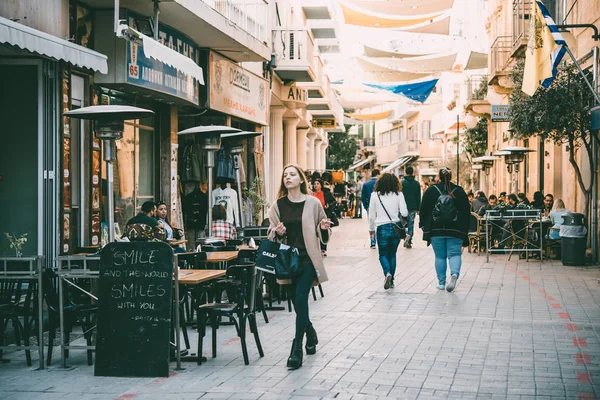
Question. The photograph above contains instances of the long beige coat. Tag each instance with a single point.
(312, 215)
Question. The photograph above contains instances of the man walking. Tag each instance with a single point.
(358, 195)
(366, 197)
(412, 195)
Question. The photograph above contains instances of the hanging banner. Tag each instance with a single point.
(237, 91)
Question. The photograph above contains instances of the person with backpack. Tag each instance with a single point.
(444, 218)
(412, 194)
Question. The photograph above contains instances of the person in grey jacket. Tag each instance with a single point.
(412, 195)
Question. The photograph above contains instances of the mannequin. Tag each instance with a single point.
(227, 197)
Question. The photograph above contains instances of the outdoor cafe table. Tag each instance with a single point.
(529, 218)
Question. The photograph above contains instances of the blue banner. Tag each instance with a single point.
(419, 91)
(153, 74)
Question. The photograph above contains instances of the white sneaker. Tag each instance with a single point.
(440, 287)
(388, 281)
(452, 283)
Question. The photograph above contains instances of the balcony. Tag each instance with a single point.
(500, 52)
(295, 50)
(522, 12)
(319, 87)
(248, 15)
(477, 103)
(327, 108)
(408, 147)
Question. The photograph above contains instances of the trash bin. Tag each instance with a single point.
(573, 239)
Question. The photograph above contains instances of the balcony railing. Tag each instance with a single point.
(295, 50)
(251, 16)
(500, 54)
(368, 142)
(477, 86)
(522, 14)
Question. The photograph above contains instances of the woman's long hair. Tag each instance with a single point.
(445, 175)
(162, 203)
(303, 186)
(559, 205)
(388, 183)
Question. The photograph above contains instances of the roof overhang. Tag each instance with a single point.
(361, 163)
(39, 42)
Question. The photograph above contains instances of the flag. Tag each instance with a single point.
(545, 50)
(419, 91)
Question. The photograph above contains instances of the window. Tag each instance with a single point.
(394, 135)
(426, 130)
(413, 132)
(385, 138)
(401, 134)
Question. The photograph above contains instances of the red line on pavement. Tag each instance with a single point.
(564, 315)
(541, 291)
(232, 340)
(572, 327)
(550, 298)
(556, 305)
(533, 284)
(580, 342)
(526, 278)
(584, 377)
(582, 358)
(126, 396)
(586, 396)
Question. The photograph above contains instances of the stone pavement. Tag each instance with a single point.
(511, 330)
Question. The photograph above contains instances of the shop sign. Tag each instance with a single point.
(293, 94)
(153, 74)
(236, 91)
(324, 123)
(500, 113)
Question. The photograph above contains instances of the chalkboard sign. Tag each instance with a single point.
(134, 309)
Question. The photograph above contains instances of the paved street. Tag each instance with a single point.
(510, 330)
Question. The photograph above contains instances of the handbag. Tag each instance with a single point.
(400, 226)
(279, 259)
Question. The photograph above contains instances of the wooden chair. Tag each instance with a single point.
(477, 236)
(519, 237)
(551, 243)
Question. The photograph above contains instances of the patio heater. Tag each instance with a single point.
(108, 127)
(234, 143)
(210, 140)
(515, 156)
(486, 162)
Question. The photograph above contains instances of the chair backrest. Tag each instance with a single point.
(246, 256)
(246, 273)
(10, 291)
(517, 229)
(234, 242)
(475, 222)
(218, 248)
(191, 260)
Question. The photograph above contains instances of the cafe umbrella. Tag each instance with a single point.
(108, 127)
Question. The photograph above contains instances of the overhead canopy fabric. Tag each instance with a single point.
(370, 117)
(477, 60)
(419, 91)
(431, 63)
(373, 52)
(399, 163)
(438, 26)
(361, 163)
(42, 43)
(374, 71)
(360, 17)
(404, 7)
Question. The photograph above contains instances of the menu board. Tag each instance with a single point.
(134, 309)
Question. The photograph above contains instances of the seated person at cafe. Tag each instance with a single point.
(173, 234)
(513, 200)
(144, 226)
(548, 205)
(220, 227)
(492, 201)
(538, 201)
(480, 204)
(502, 197)
(556, 215)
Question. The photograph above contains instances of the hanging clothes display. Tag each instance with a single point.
(224, 167)
(248, 211)
(195, 209)
(193, 168)
(227, 197)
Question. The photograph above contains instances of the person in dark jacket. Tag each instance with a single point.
(480, 204)
(366, 197)
(412, 195)
(446, 239)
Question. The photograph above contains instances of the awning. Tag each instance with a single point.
(404, 7)
(160, 52)
(370, 117)
(438, 26)
(361, 17)
(361, 163)
(401, 161)
(39, 42)
(375, 52)
(430, 63)
(375, 71)
(477, 60)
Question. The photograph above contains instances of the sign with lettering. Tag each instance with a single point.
(500, 113)
(324, 123)
(153, 74)
(134, 309)
(295, 95)
(237, 91)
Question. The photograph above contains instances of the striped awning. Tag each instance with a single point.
(361, 163)
(401, 161)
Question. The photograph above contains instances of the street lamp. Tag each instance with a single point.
(108, 127)
(234, 143)
(486, 162)
(515, 156)
(210, 140)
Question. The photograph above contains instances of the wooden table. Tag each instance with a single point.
(221, 257)
(246, 247)
(197, 276)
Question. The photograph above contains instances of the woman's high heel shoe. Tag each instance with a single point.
(311, 340)
(295, 359)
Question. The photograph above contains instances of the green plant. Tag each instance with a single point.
(255, 194)
(561, 114)
(481, 92)
(16, 243)
(475, 140)
(341, 151)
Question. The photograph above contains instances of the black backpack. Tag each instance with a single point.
(445, 210)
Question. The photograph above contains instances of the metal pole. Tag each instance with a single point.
(156, 12)
(594, 226)
(61, 315)
(517, 178)
(176, 311)
(236, 167)
(457, 149)
(40, 312)
(116, 16)
(210, 163)
(109, 155)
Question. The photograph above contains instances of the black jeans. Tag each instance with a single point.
(300, 289)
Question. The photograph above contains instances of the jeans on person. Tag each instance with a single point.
(358, 211)
(446, 248)
(300, 289)
(388, 246)
(411, 224)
